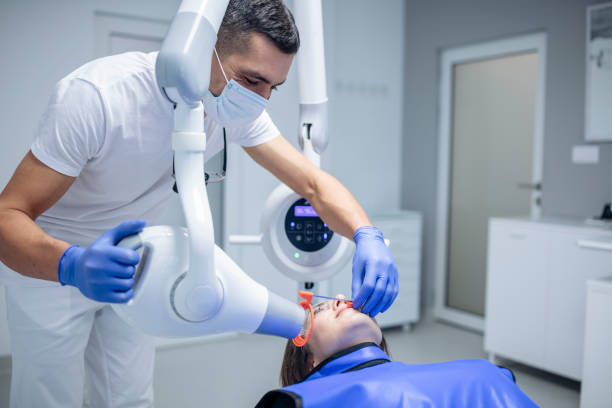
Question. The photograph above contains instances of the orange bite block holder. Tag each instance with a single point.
(307, 305)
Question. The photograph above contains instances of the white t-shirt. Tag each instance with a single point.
(108, 124)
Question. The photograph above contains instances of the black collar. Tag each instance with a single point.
(339, 354)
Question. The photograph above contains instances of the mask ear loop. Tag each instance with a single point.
(306, 304)
(221, 66)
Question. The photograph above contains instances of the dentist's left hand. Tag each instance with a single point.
(375, 284)
(103, 271)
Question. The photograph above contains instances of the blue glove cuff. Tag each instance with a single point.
(65, 267)
(367, 231)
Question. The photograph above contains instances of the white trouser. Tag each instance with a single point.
(60, 340)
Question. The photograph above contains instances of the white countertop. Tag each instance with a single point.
(600, 285)
(575, 222)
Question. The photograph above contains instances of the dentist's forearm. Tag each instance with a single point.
(26, 248)
(337, 206)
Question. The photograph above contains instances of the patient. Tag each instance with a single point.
(346, 363)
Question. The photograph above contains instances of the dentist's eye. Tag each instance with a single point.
(250, 82)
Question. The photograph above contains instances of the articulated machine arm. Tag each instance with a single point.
(182, 70)
(312, 132)
(184, 284)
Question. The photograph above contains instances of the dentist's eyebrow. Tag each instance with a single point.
(260, 77)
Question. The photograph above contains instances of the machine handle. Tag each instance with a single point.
(131, 242)
(530, 186)
(593, 244)
(245, 239)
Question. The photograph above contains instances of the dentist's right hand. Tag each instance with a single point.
(103, 271)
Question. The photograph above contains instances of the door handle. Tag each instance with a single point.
(530, 186)
(595, 244)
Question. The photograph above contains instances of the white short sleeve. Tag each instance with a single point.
(255, 133)
(72, 129)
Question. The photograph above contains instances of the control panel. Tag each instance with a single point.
(304, 228)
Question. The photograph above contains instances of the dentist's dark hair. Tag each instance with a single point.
(268, 17)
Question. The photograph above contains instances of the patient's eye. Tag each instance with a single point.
(319, 307)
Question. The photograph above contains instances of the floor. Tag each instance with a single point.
(236, 370)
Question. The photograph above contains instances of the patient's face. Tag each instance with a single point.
(337, 326)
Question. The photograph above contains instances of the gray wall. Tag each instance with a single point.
(431, 26)
(40, 45)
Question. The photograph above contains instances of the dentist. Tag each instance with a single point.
(103, 155)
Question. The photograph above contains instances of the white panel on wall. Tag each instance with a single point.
(366, 91)
(598, 116)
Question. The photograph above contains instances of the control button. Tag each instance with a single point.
(298, 237)
(292, 225)
(319, 226)
(319, 238)
(299, 226)
(309, 239)
(309, 229)
(325, 236)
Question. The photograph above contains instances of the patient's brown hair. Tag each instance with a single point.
(297, 362)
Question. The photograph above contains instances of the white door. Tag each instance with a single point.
(490, 160)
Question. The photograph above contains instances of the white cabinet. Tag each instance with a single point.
(403, 230)
(595, 391)
(515, 307)
(536, 276)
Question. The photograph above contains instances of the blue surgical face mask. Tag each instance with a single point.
(235, 106)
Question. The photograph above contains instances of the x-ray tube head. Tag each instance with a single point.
(247, 306)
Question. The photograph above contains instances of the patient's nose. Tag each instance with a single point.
(337, 303)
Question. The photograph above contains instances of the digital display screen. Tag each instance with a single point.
(304, 211)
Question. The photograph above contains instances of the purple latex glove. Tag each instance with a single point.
(103, 271)
(374, 284)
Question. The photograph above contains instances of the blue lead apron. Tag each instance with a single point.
(365, 376)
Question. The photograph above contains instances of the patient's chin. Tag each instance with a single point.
(361, 329)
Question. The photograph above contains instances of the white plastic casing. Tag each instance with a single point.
(309, 266)
(311, 56)
(244, 300)
(212, 10)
